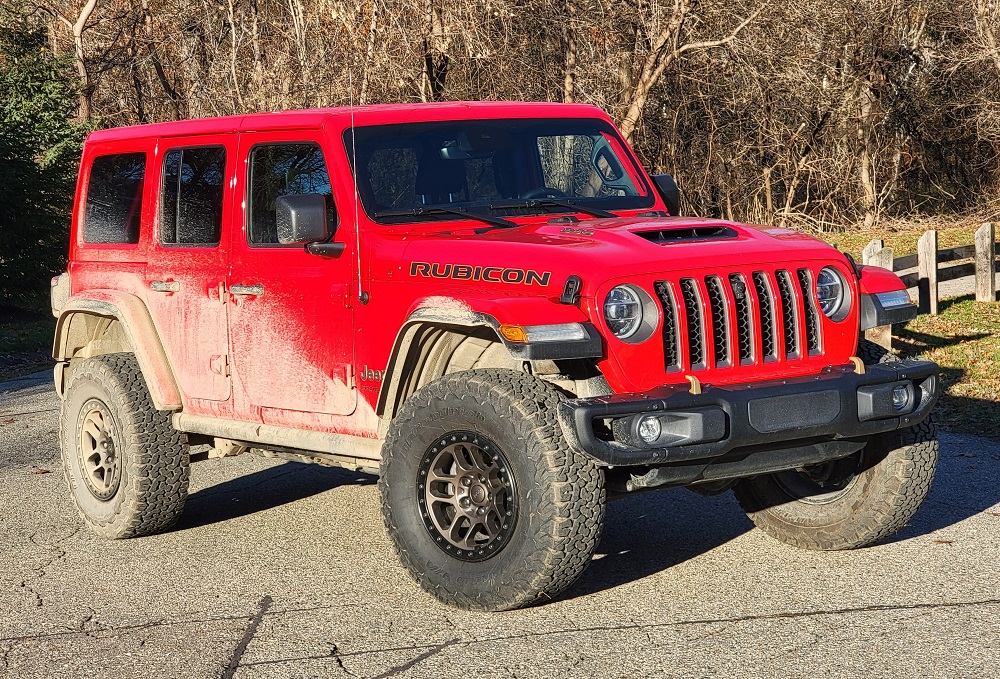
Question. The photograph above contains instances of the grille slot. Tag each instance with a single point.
(695, 324)
(788, 315)
(768, 339)
(671, 342)
(744, 325)
(720, 321)
(812, 314)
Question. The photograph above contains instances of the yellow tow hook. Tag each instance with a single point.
(859, 365)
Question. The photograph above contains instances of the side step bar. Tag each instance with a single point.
(340, 450)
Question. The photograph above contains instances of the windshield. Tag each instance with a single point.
(494, 167)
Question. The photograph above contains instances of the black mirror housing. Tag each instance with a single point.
(301, 219)
(671, 195)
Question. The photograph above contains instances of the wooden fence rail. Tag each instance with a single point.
(930, 273)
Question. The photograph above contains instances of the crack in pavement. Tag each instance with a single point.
(399, 669)
(234, 661)
(30, 412)
(335, 654)
(40, 571)
(7, 650)
(784, 615)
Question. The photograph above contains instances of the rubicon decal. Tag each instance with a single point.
(491, 274)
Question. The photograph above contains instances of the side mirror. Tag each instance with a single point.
(671, 195)
(301, 218)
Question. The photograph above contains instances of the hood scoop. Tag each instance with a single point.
(688, 233)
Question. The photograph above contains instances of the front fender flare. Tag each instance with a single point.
(466, 312)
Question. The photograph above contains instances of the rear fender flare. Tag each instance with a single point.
(133, 316)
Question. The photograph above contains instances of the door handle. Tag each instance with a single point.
(165, 286)
(256, 289)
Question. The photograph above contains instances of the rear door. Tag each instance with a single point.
(291, 329)
(187, 264)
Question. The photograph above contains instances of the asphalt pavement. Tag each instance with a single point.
(284, 570)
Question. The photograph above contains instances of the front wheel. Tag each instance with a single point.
(487, 505)
(848, 503)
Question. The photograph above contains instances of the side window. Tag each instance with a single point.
(282, 170)
(193, 186)
(114, 199)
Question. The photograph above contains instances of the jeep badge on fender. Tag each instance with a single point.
(493, 307)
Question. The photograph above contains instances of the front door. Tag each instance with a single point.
(291, 329)
(187, 264)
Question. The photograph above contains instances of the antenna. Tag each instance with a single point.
(362, 297)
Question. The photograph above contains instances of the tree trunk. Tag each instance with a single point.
(569, 64)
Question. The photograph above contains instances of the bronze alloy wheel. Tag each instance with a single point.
(99, 461)
(467, 497)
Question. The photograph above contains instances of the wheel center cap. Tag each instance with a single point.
(477, 494)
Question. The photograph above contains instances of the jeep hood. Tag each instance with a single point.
(603, 249)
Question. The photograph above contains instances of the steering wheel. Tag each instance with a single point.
(543, 192)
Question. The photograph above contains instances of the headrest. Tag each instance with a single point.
(439, 177)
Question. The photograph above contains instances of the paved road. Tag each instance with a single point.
(283, 570)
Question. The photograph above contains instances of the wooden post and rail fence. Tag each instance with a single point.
(928, 262)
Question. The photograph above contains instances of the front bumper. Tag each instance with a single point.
(823, 417)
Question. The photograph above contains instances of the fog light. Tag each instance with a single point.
(650, 428)
(900, 398)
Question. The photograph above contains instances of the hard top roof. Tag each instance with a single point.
(363, 115)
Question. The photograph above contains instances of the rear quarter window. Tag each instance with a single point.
(114, 199)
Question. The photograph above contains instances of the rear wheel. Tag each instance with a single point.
(487, 505)
(852, 502)
(126, 466)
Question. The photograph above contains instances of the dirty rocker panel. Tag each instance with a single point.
(834, 406)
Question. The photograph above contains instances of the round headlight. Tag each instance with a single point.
(830, 291)
(623, 311)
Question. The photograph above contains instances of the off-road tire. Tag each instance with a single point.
(559, 491)
(894, 477)
(153, 458)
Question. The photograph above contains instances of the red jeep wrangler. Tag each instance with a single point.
(492, 306)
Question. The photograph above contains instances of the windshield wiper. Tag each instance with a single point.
(460, 212)
(550, 202)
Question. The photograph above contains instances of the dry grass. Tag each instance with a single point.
(964, 339)
(902, 235)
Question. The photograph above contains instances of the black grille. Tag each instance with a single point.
(671, 343)
(744, 326)
(720, 326)
(757, 297)
(788, 314)
(812, 315)
(768, 345)
(695, 332)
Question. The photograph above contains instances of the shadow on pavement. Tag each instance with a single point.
(649, 533)
(263, 490)
(965, 485)
(643, 534)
